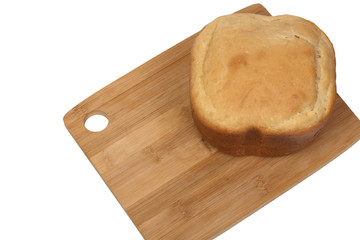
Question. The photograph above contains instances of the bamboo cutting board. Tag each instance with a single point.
(172, 184)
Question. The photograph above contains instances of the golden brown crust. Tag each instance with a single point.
(255, 142)
(250, 136)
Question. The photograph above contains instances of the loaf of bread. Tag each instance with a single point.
(261, 85)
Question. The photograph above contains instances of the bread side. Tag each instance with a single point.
(261, 85)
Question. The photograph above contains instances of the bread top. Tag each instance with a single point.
(276, 74)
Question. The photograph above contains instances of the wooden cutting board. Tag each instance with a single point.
(172, 184)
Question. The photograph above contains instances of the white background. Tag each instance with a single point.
(54, 54)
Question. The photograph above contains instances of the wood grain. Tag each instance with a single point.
(172, 184)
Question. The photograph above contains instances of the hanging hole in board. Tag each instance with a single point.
(96, 121)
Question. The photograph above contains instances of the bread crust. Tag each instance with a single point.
(254, 141)
(259, 140)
